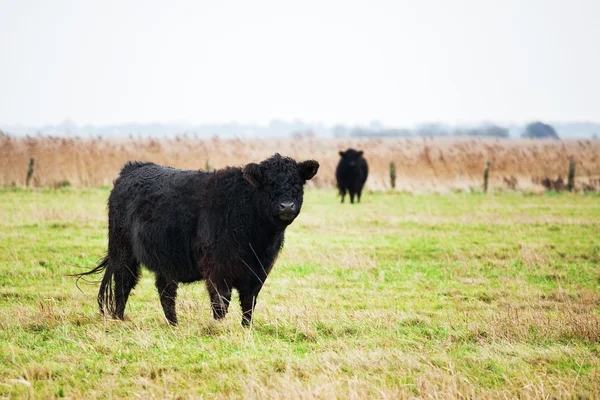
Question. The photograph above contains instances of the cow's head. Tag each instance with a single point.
(279, 182)
(350, 157)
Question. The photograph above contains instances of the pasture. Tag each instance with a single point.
(403, 296)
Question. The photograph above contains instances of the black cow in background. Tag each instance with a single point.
(225, 227)
(351, 174)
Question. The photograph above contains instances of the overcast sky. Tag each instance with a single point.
(399, 62)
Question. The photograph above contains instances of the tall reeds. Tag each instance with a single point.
(438, 164)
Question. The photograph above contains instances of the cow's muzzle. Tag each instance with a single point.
(288, 210)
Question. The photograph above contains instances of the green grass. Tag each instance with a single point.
(431, 296)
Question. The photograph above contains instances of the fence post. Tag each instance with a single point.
(30, 171)
(393, 175)
(486, 175)
(571, 182)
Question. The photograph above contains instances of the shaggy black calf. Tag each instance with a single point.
(351, 174)
(225, 227)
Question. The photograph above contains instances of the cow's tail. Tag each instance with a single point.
(106, 294)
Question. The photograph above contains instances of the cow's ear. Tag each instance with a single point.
(308, 169)
(252, 174)
(341, 153)
(360, 153)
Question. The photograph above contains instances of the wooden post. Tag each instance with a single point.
(571, 182)
(30, 171)
(393, 175)
(486, 175)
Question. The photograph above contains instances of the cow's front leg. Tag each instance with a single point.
(167, 290)
(220, 296)
(248, 290)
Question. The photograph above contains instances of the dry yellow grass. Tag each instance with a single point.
(422, 164)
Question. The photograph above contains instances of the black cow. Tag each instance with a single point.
(351, 174)
(225, 227)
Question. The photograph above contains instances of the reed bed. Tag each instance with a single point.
(422, 164)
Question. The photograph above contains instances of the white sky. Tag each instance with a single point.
(399, 62)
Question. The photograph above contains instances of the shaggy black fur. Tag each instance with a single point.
(225, 227)
(351, 174)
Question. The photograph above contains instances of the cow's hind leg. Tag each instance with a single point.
(167, 290)
(351, 197)
(220, 296)
(121, 275)
(126, 277)
(343, 194)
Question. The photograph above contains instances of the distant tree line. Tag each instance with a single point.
(533, 130)
(298, 128)
(537, 130)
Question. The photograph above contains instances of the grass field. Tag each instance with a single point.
(403, 296)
